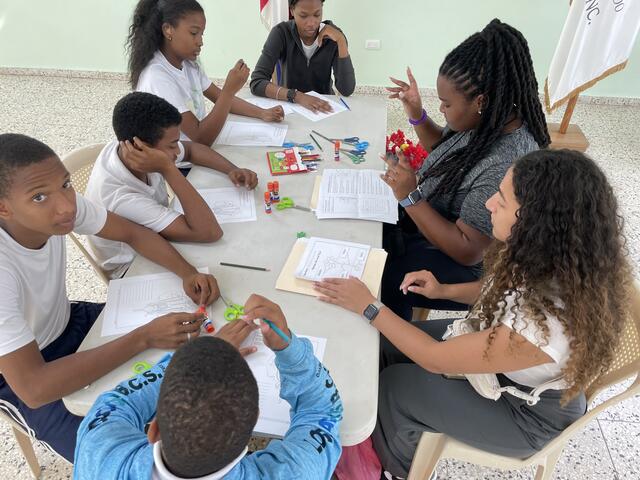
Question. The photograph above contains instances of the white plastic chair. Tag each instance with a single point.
(79, 163)
(24, 442)
(436, 446)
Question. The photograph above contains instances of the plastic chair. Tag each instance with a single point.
(24, 442)
(79, 163)
(626, 363)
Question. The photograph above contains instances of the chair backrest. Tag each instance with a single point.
(79, 163)
(626, 361)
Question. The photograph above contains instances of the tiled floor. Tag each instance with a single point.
(67, 113)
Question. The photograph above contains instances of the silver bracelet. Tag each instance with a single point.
(277, 92)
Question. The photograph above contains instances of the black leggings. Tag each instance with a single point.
(409, 252)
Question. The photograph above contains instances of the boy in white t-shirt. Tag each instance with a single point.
(40, 330)
(130, 173)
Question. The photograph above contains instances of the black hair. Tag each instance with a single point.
(292, 3)
(497, 64)
(143, 115)
(145, 33)
(207, 408)
(19, 151)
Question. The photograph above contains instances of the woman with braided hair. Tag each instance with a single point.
(546, 321)
(489, 98)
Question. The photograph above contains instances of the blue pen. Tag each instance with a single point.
(275, 328)
(345, 103)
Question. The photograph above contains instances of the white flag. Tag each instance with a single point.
(596, 41)
(272, 12)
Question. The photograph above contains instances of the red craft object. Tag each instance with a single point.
(413, 152)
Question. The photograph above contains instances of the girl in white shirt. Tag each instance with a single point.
(165, 39)
(554, 305)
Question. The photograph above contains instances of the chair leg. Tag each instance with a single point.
(27, 450)
(545, 472)
(427, 455)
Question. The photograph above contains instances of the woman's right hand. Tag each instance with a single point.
(408, 94)
(314, 104)
(172, 330)
(236, 78)
(423, 283)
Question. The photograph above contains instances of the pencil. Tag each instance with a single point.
(250, 267)
(316, 142)
(275, 328)
(345, 103)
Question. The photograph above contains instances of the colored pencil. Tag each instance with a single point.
(275, 328)
(316, 142)
(250, 267)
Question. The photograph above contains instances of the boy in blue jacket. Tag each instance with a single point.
(202, 405)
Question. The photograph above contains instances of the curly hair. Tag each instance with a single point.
(143, 115)
(495, 63)
(566, 257)
(145, 33)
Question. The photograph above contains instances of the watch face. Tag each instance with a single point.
(370, 312)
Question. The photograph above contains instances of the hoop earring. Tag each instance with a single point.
(169, 38)
(479, 112)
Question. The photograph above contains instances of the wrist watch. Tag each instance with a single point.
(411, 199)
(291, 95)
(372, 310)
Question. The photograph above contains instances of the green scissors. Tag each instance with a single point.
(140, 367)
(354, 158)
(233, 310)
(285, 202)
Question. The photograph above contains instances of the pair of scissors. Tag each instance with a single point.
(286, 202)
(233, 310)
(306, 146)
(356, 143)
(354, 158)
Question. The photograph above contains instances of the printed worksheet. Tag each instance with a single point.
(274, 416)
(326, 258)
(337, 107)
(245, 134)
(229, 204)
(267, 103)
(135, 301)
(360, 194)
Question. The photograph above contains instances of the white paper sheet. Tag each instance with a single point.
(274, 416)
(135, 301)
(338, 107)
(358, 194)
(326, 258)
(229, 204)
(267, 103)
(246, 134)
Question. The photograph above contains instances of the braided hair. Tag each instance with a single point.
(497, 64)
(145, 33)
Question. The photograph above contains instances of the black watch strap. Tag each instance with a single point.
(291, 95)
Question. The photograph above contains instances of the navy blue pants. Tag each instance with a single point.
(53, 423)
(410, 251)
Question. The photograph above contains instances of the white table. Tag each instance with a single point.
(352, 345)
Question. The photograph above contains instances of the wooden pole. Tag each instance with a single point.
(568, 113)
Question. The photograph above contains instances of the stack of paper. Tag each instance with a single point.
(359, 194)
(267, 103)
(314, 117)
(246, 134)
(326, 258)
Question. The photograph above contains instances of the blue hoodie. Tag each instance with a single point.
(112, 444)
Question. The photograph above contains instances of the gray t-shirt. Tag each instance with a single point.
(481, 182)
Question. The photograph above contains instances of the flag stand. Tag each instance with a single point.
(565, 135)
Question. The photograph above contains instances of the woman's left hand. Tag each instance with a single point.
(273, 114)
(349, 293)
(400, 176)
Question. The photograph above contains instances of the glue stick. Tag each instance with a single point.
(336, 152)
(267, 202)
(270, 190)
(207, 324)
(275, 195)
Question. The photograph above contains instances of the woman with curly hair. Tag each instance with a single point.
(489, 98)
(553, 305)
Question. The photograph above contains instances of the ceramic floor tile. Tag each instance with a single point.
(623, 440)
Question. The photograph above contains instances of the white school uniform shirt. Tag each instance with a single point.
(114, 187)
(183, 88)
(34, 302)
(557, 345)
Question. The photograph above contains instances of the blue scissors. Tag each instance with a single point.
(355, 142)
(306, 146)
